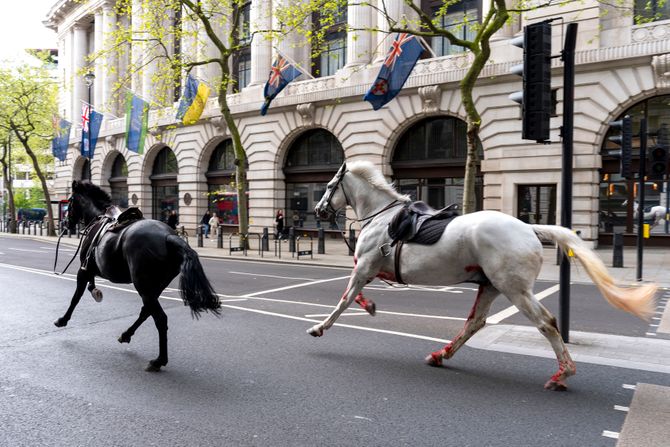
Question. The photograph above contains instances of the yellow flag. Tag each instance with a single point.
(198, 106)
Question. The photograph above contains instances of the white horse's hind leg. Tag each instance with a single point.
(476, 320)
(546, 324)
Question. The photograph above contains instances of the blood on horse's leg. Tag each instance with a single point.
(366, 303)
(475, 321)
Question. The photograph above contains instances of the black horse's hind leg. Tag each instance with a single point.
(82, 280)
(128, 334)
(95, 292)
(160, 319)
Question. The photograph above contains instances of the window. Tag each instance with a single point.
(315, 148)
(434, 139)
(165, 163)
(461, 19)
(332, 50)
(222, 196)
(536, 204)
(177, 36)
(242, 57)
(223, 159)
(118, 182)
(651, 10)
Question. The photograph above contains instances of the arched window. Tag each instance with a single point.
(86, 170)
(165, 191)
(222, 197)
(429, 162)
(618, 195)
(312, 160)
(118, 182)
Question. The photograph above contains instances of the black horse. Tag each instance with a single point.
(146, 253)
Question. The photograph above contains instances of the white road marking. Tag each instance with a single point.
(344, 314)
(621, 408)
(506, 313)
(295, 286)
(271, 276)
(650, 334)
(446, 289)
(629, 387)
(610, 434)
(27, 250)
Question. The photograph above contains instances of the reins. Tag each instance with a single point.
(81, 240)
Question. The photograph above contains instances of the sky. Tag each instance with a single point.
(21, 27)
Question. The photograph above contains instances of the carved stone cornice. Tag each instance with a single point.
(306, 112)
(430, 97)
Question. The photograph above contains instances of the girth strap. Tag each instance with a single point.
(396, 262)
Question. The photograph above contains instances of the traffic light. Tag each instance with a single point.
(625, 140)
(659, 155)
(535, 99)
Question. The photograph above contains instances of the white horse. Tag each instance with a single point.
(497, 251)
(654, 215)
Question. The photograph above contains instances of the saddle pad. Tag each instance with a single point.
(431, 231)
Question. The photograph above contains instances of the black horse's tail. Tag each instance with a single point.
(196, 290)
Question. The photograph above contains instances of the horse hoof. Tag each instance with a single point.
(97, 295)
(153, 366)
(433, 360)
(554, 385)
(315, 331)
(60, 322)
(123, 338)
(371, 308)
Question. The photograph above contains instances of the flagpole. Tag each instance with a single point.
(294, 63)
(425, 45)
(93, 108)
(148, 101)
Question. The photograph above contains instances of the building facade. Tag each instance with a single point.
(418, 139)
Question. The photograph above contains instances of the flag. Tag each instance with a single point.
(400, 60)
(61, 138)
(91, 121)
(137, 120)
(193, 101)
(281, 73)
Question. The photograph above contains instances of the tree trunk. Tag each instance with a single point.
(10, 192)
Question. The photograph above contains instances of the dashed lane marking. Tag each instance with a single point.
(506, 313)
(610, 434)
(271, 276)
(295, 286)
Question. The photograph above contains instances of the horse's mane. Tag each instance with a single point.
(374, 177)
(96, 194)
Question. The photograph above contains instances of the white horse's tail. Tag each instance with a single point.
(638, 301)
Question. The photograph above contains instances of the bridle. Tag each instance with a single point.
(331, 192)
(70, 203)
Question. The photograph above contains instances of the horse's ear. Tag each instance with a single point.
(75, 183)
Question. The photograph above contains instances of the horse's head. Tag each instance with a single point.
(86, 203)
(334, 198)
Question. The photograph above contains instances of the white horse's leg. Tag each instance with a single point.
(476, 320)
(546, 324)
(356, 284)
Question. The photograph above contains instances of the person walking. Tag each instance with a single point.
(173, 220)
(214, 223)
(204, 222)
(279, 221)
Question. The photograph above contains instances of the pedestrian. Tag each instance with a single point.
(279, 221)
(204, 222)
(214, 222)
(173, 220)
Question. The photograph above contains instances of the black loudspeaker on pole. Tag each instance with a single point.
(568, 57)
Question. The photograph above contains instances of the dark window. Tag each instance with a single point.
(461, 19)
(222, 159)
(86, 170)
(118, 182)
(315, 149)
(242, 56)
(432, 140)
(119, 168)
(331, 42)
(165, 163)
(177, 27)
(651, 10)
(536, 204)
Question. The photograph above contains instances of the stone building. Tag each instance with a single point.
(418, 139)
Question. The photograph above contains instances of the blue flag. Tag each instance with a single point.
(61, 139)
(400, 60)
(137, 120)
(281, 73)
(91, 121)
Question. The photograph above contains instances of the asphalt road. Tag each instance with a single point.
(254, 377)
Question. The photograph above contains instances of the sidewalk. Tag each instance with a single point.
(644, 353)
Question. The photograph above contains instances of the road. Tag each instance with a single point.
(254, 377)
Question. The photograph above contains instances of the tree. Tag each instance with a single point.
(27, 104)
(172, 35)
(5, 160)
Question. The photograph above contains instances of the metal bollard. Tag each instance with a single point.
(617, 254)
(352, 241)
(291, 239)
(219, 237)
(321, 242)
(198, 232)
(265, 240)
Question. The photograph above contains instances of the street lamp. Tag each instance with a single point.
(88, 79)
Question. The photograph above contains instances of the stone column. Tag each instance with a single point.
(387, 8)
(359, 18)
(137, 48)
(291, 44)
(261, 48)
(99, 68)
(79, 89)
(110, 61)
(65, 92)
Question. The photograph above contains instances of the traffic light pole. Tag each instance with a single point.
(567, 131)
(640, 187)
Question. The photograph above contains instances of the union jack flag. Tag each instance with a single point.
(281, 73)
(398, 64)
(85, 117)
